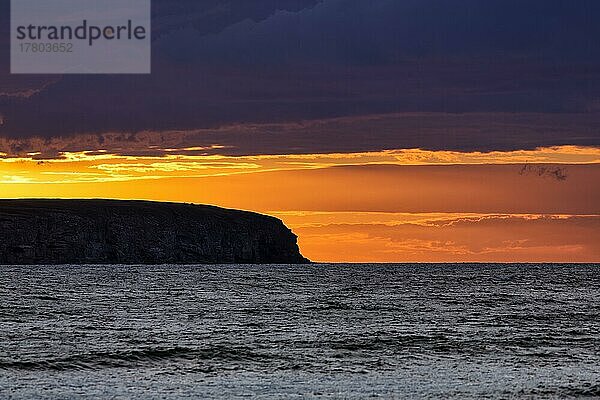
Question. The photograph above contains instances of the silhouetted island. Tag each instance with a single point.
(139, 232)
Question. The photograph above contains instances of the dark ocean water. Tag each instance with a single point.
(319, 331)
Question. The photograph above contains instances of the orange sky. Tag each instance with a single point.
(391, 206)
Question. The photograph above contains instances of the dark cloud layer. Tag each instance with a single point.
(391, 31)
(219, 62)
(429, 131)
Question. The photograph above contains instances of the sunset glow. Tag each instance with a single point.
(415, 205)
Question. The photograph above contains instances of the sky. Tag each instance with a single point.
(379, 131)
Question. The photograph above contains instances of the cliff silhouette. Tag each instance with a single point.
(139, 232)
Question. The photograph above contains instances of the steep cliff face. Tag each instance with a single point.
(138, 232)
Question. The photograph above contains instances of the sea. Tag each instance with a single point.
(345, 331)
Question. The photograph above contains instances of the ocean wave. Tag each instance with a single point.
(145, 357)
(587, 391)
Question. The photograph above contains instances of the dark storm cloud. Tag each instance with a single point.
(220, 62)
(391, 31)
(429, 131)
(212, 16)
